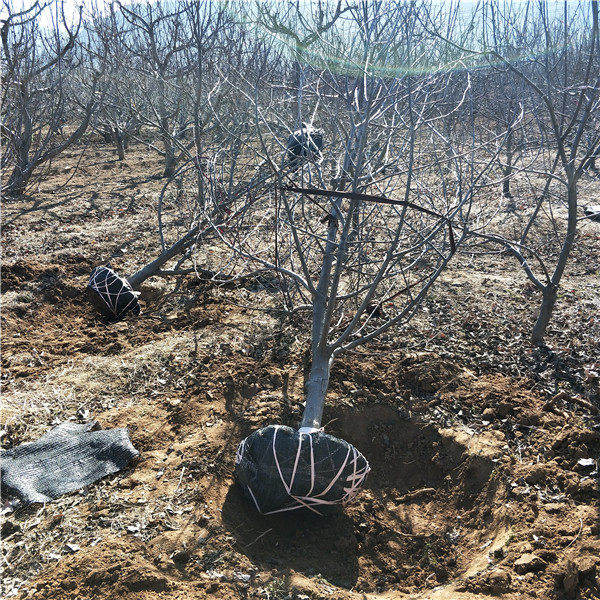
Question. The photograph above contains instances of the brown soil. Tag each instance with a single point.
(476, 490)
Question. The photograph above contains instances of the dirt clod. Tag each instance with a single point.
(570, 579)
(529, 563)
(499, 581)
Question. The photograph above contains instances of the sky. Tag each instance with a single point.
(48, 15)
(71, 6)
(52, 12)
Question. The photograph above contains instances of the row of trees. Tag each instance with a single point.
(448, 128)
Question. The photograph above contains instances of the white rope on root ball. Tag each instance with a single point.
(116, 295)
(281, 469)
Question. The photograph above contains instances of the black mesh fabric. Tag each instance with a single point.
(280, 469)
(113, 294)
(593, 212)
(65, 459)
(306, 142)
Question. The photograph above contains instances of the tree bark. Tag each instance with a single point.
(19, 177)
(152, 268)
(506, 172)
(316, 389)
(118, 139)
(507, 168)
(551, 290)
(318, 380)
(170, 160)
(541, 324)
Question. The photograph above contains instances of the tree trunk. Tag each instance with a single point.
(118, 139)
(507, 168)
(19, 178)
(316, 389)
(165, 131)
(318, 380)
(551, 290)
(169, 158)
(541, 324)
(17, 184)
(199, 174)
(27, 164)
(506, 172)
(298, 83)
(152, 268)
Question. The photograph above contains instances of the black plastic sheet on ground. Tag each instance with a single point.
(65, 459)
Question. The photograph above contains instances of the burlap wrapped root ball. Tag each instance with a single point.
(112, 295)
(282, 469)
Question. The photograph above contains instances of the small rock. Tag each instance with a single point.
(547, 555)
(537, 474)
(520, 492)
(72, 548)
(586, 486)
(181, 556)
(9, 527)
(504, 409)
(528, 418)
(528, 563)
(499, 581)
(489, 414)
(586, 566)
(531, 579)
(554, 507)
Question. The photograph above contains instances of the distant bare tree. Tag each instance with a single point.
(36, 99)
(554, 60)
(155, 37)
(300, 26)
(117, 115)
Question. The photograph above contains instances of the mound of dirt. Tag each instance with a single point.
(402, 534)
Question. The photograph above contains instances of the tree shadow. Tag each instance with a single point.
(38, 205)
(316, 546)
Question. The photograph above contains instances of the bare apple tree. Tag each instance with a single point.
(155, 37)
(552, 55)
(361, 251)
(223, 177)
(117, 119)
(37, 69)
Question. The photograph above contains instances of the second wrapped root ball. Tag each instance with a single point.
(282, 469)
(112, 295)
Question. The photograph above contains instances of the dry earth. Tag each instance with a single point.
(478, 488)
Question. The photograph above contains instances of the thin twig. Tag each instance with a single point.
(577, 536)
(258, 538)
(180, 480)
